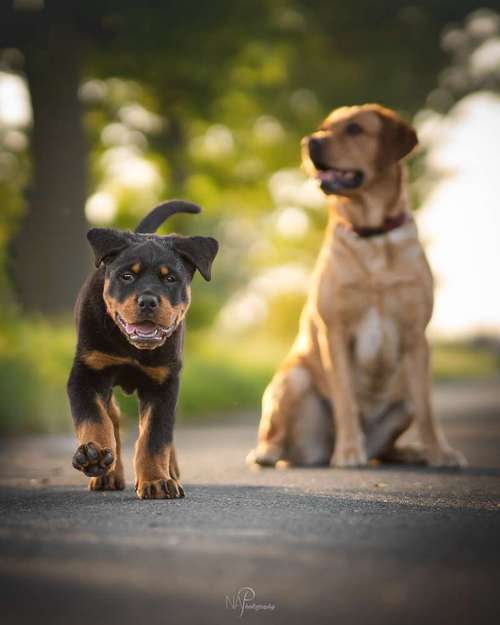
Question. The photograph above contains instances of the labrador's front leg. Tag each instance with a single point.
(350, 449)
(436, 448)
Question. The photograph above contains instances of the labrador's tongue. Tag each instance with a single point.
(328, 174)
(144, 327)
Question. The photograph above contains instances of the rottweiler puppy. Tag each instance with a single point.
(130, 319)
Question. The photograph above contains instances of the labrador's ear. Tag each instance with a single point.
(198, 251)
(397, 138)
(107, 244)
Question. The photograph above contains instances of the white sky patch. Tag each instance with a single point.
(243, 311)
(93, 91)
(15, 105)
(136, 116)
(126, 168)
(120, 134)
(217, 142)
(485, 60)
(15, 140)
(292, 222)
(249, 306)
(101, 208)
(460, 219)
(292, 187)
(268, 130)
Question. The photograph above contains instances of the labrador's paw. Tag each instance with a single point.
(350, 453)
(445, 456)
(265, 455)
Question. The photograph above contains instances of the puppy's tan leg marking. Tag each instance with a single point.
(115, 478)
(154, 477)
(174, 465)
(350, 448)
(279, 404)
(436, 448)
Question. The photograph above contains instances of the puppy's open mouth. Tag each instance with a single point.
(333, 179)
(145, 331)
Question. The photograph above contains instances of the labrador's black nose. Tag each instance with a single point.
(148, 302)
(315, 148)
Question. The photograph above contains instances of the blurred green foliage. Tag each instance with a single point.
(220, 377)
(208, 101)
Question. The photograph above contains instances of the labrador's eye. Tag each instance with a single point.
(127, 276)
(170, 278)
(353, 129)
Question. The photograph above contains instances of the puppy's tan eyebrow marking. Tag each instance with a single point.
(136, 267)
(164, 270)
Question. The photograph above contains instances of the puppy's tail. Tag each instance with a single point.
(160, 213)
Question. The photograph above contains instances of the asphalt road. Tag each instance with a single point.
(383, 545)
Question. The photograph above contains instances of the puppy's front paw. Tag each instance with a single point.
(164, 488)
(110, 481)
(350, 453)
(444, 456)
(93, 459)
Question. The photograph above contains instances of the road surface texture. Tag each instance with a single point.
(382, 545)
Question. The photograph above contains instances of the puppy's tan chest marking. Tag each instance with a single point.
(100, 360)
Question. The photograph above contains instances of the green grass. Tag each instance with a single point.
(35, 359)
(464, 360)
(221, 375)
(218, 378)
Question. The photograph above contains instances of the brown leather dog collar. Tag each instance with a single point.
(389, 224)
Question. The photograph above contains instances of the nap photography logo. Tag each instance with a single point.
(244, 599)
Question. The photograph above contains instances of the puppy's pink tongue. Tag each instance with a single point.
(146, 326)
(326, 175)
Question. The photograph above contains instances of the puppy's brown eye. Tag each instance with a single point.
(170, 278)
(353, 129)
(127, 276)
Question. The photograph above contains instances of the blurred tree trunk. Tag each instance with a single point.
(50, 252)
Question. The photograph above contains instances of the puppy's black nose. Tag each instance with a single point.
(148, 302)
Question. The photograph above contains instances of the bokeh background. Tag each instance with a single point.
(108, 107)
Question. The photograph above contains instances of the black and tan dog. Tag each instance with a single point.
(130, 317)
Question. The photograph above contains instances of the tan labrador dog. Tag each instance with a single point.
(358, 373)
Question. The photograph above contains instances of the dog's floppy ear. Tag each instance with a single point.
(106, 243)
(198, 251)
(397, 138)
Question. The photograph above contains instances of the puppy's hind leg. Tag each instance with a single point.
(279, 405)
